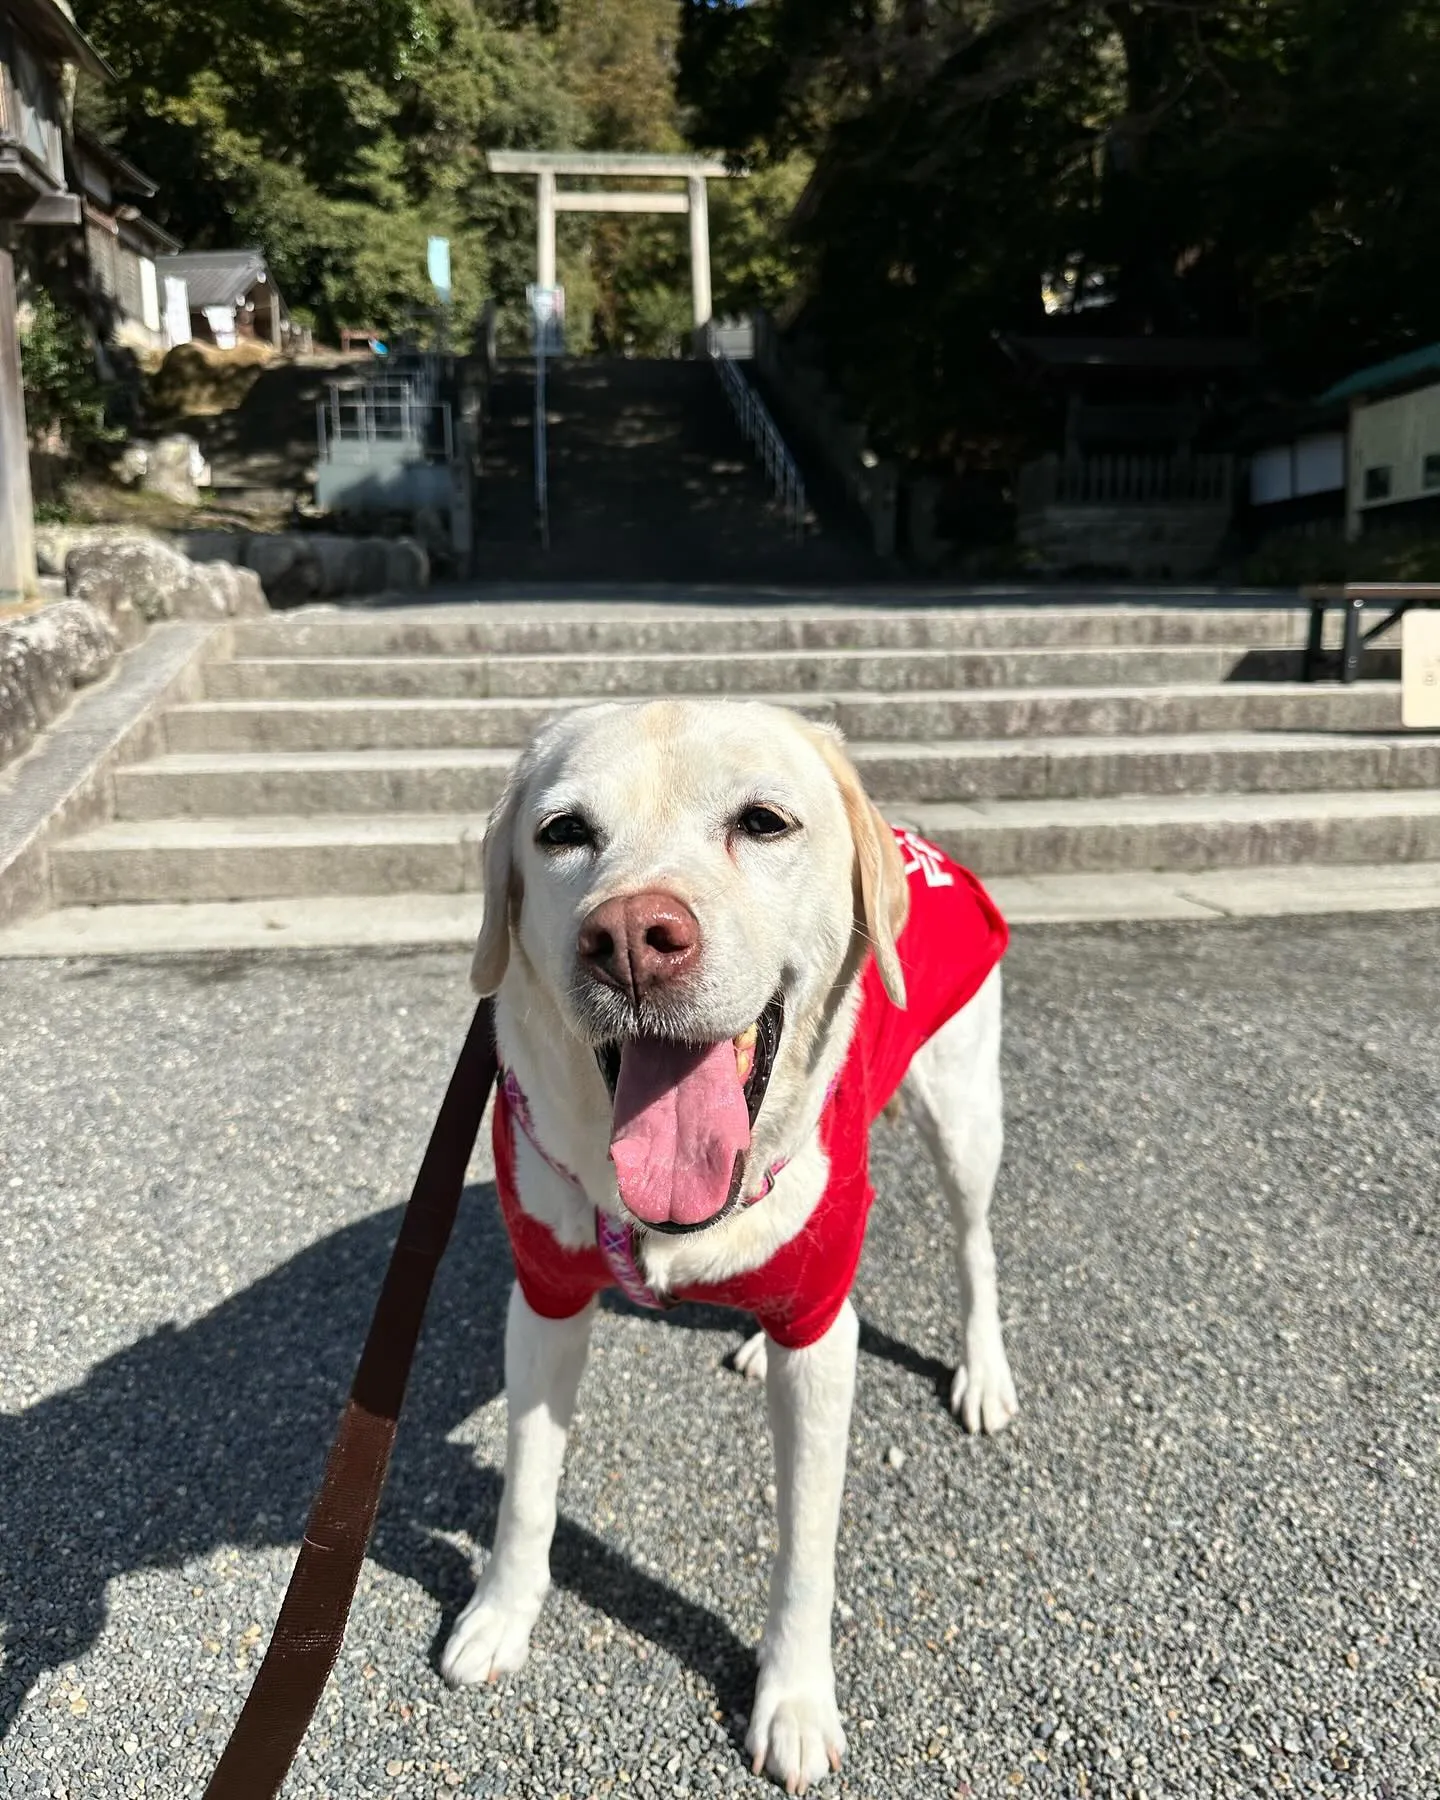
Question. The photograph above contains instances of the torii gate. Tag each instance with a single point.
(694, 171)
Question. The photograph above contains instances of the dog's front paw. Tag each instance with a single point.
(795, 1733)
(751, 1359)
(490, 1639)
(983, 1391)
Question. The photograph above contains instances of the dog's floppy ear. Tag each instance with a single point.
(882, 894)
(502, 891)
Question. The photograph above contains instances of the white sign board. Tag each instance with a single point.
(1420, 667)
(547, 312)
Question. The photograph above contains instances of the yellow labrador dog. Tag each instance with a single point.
(714, 962)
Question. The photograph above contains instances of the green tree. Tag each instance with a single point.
(339, 135)
(1216, 166)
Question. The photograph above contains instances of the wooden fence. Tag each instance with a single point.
(1126, 481)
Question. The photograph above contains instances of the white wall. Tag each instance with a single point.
(1396, 434)
(1310, 465)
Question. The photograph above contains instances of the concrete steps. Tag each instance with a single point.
(254, 858)
(251, 858)
(1183, 831)
(352, 755)
(760, 672)
(559, 628)
(463, 781)
(389, 723)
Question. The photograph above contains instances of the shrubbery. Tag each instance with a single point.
(1311, 562)
(64, 397)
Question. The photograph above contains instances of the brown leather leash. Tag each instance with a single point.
(311, 1626)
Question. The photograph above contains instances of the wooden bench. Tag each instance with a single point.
(1352, 598)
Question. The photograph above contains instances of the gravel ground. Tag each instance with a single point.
(1205, 1560)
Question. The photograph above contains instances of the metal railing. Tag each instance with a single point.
(370, 417)
(764, 438)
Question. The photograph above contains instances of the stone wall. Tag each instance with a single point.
(292, 566)
(44, 657)
(1156, 540)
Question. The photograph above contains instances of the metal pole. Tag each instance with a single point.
(542, 480)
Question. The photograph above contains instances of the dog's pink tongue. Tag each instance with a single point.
(680, 1122)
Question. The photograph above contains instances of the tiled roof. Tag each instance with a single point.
(216, 277)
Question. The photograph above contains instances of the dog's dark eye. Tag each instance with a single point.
(564, 832)
(763, 822)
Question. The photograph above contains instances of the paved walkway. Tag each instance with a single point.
(389, 921)
(1205, 1562)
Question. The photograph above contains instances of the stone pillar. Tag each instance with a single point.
(700, 257)
(17, 519)
(545, 228)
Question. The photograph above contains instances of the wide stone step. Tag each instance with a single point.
(256, 858)
(542, 628)
(767, 672)
(312, 782)
(423, 724)
(1182, 832)
(212, 784)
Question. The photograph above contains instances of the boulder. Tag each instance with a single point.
(406, 565)
(132, 465)
(239, 590)
(135, 582)
(369, 567)
(175, 467)
(53, 543)
(333, 558)
(44, 656)
(288, 571)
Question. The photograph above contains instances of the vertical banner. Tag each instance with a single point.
(437, 263)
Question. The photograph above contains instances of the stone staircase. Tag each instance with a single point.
(650, 481)
(356, 754)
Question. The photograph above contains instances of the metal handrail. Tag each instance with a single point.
(763, 436)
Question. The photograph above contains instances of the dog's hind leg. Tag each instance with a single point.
(952, 1091)
(544, 1359)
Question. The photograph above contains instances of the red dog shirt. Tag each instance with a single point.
(954, 936)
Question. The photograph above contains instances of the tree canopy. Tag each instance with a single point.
(1225, 167)
(340, 134)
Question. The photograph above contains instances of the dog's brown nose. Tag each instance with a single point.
(640, 942)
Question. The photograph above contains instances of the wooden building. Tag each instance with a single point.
(145, 308)
(233, 297)
(39, 45)
(1136, 484)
